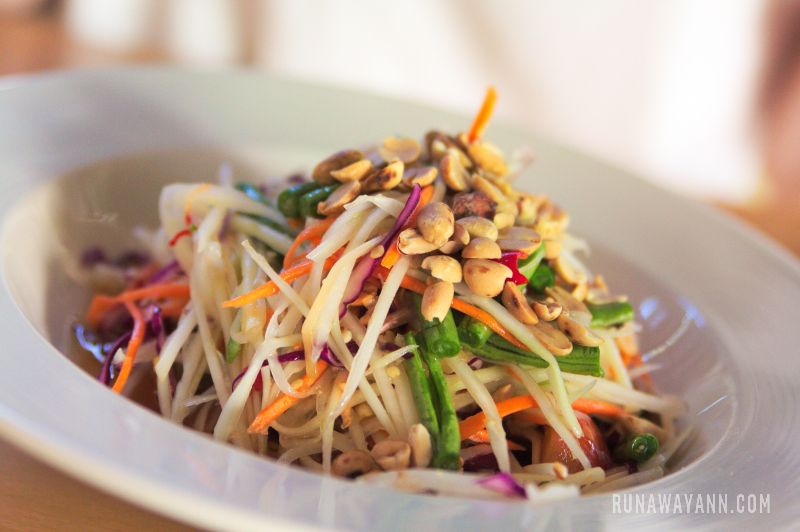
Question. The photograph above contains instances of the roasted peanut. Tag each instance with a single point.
(443, 268)
(420, 175)
(340, 197)
(517, 244)
(485, 277)
(436, 300)
(353, 172)
(392, 455)
(337, 161)
(352, 464)
(435, 223)
(578, 332)
(481, 248)
(385, 178)
(478, 227)
(554, 340)
(517, 305)
(546, 310)
(400, 149)
(411, 242)
(487, 157)
(420, 440)
(453, 172)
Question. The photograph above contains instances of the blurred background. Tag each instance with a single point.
(702, 97)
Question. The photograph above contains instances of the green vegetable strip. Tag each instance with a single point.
(307, 205)
(449, 442)
(254, 194)
(529, 264)
(582, 360)
(439, 338)
(542, 277)
(473, 332)
(499, 356)
(289, 199)
(637, 448)
(610, 314)
(421, 391)
(232, 350)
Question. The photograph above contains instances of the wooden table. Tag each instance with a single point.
(34, 496)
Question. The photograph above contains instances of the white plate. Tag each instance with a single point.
(113, 137)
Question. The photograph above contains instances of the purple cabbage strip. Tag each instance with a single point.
(326, 355)
(367, 264)
(475, 363)
(164, 272)
(105, 371)
(157, 328)
(93, 256)
(482, 462)
(503, 483)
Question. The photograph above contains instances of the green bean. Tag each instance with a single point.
(528, 265)
(610, 314)
(637, 448)
(448, 445)
(289, 199)
(582, 360)
(307, 205)
(232, 350)
(542, 277)
(421, 391)
(473, 332)
(496, 355)
(439, 337)
(254, 194)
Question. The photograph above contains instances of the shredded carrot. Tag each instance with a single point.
(300, 256)
(274, 410)
(475, 423)
(133, 346)
(309, 233)
(102, 303)
(629, 349)
(270, 288)
(393, 254)
(483, 116)
(481, 315)
(173, 308)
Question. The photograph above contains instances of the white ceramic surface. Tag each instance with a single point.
(84, 155)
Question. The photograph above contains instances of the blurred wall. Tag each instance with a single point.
(664, 88)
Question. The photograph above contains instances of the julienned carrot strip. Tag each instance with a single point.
(274, 410)
(475, 423)
(314, 231)
(102, 303)
(270, 288)
(483, 116)
(393, 254)
(297, 258)
(481, 315)
(595, 406)
(133, 346)
(629, 349)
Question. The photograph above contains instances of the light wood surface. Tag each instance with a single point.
(36, 497)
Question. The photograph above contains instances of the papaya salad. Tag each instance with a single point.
(405, 317)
